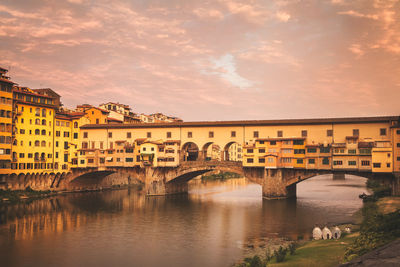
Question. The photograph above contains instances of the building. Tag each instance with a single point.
(5, 121)
(94, 114)
(32, 146)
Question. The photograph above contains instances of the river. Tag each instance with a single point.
(211, 226)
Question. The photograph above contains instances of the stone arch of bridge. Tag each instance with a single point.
(226, 153)
(212, 151)
(190, 152)
(187, 174)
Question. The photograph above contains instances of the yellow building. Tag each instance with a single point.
(94, 114)
(32, 147)
(5, 121)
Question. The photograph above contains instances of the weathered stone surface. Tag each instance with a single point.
(386, 256)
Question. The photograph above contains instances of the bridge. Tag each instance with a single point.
(277, 154)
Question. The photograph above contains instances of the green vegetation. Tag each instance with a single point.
(221, 176)
(17, 195)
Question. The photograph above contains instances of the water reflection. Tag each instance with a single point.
(208, 227)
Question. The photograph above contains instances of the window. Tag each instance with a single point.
(329, 132)
(261, 150)
(190, 135)
(272, 143)
(311, 150)
(356, 132)
(280, 134)
(97, 120)
(250, 150)
(299, 151)
(22, 131)
(37, 112)
(148, 134)
(37, 132)
(43, 122)
(43, 112)
(65, 157)
(304, 133)
(299, 161)
(58, 133)
(388, 165)
(66, 134)
(365, 163)
(398, 131)
(298, 142)
(85, 134)
(383, 131)
(398, 158)
(128, 159)
(110, 135)
(43, 132)
(21, 155)
(75, 135)
(210, 134)
(376, 165)
(66, 145)
(75, 125)
(56, 143)
(250, 160)
(261, 142)
(261, 160)
(311, 161)
(398, 144)
(56, 155)
(233, 133)
(169, 134)
(325, 161)
(352, 163)
(337, 162)
(352, 151)
(255, 134)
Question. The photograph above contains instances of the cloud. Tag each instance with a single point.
(283, 16)
(225, 67)
(358, 14)
(356, 49)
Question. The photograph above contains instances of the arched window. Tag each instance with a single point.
(37, 132)
(37, 121)
(43, 122)
(22, 143)
(43, 132)
(37, 156)
(75, 124)
(15, 142)
(37, 143)
(44, 112)
(43, 143)
(37, 111)
(43, 156)
(49, 123)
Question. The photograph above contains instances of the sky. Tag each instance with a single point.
(210, 60)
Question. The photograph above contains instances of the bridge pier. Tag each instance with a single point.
(274, 184)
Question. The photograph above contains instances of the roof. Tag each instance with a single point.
(48, 91)
(69, 116)
(365, 144)
(114, 120)
(27, 91)
(280, 139)
(322, 121)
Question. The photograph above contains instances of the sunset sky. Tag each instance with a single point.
(210, 60)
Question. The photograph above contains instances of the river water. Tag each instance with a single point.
(211, 226)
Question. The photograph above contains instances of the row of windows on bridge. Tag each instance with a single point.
(43, 122)
(40, 156)
(38, 166)
(325, 161)
(38, 143)
(304, 133)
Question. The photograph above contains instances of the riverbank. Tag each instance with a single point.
(220, 176)
(16, 196)
(378, 227)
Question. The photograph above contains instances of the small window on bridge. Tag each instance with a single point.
(356, 132)
(398, 131)
(169, 134)
(255, 134)
(261, 150)
(304, 133)
(190, 135)
(329, 132)
(233, 133)
(337, 162)
(377, 165)
(383, 131)
(398, 158)
(210, 134)
(272, 143)
(280, 134)
(311, 161)
(261, 160)
(325, 161)
(352, 163)
(365, 163)
(128, 135)
(249, 160)
(299, 161)
(388, 165)
(250, 151)
(148, 134)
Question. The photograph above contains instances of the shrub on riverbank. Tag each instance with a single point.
(17, 195)
(376, 230)
(221, 176)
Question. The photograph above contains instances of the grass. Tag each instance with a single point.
(322, 253)
(221, 176)
(388, 204)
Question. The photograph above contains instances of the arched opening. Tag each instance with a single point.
(190, 152)
(212, 151)
(233, 152)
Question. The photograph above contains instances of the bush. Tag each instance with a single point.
(292, 248)
(280, 254)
